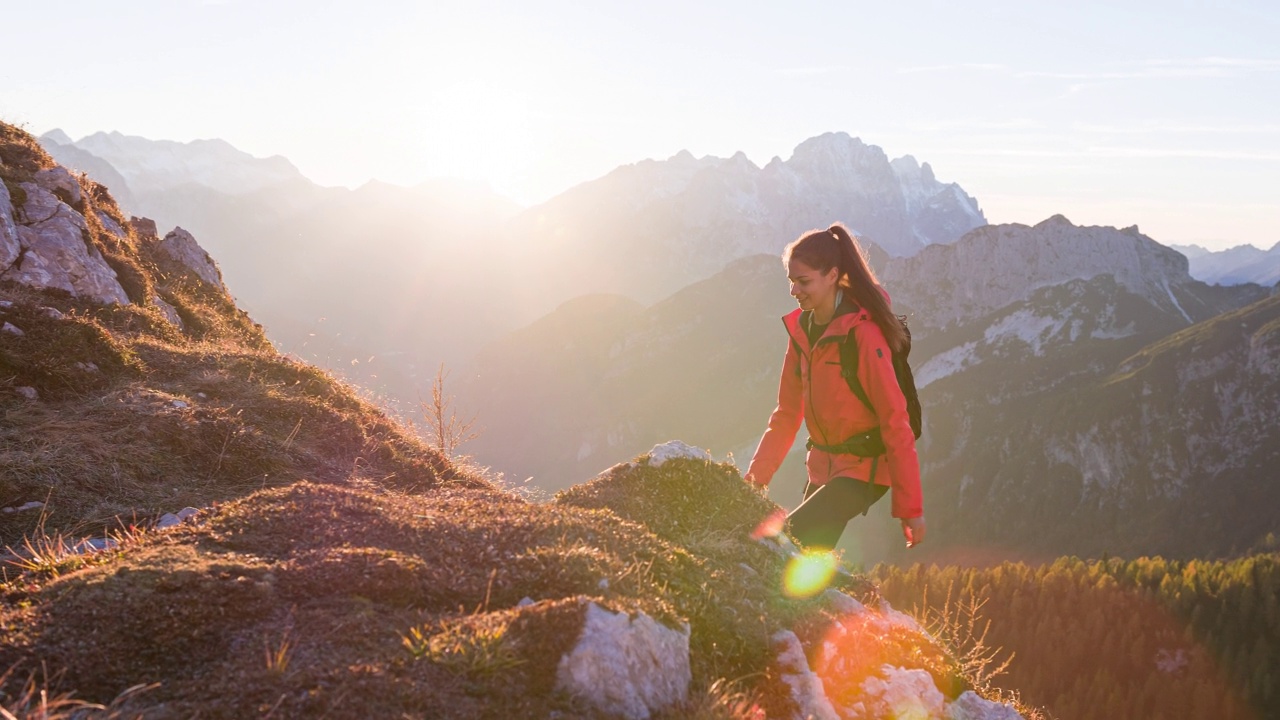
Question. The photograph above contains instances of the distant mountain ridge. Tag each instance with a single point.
(1234, 266)
(999, 264)
(645, 230)
(152, 165)
(339, 277)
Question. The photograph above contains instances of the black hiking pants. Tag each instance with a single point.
(820, 519)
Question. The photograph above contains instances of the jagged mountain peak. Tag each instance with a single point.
(56, 135)
(909, 170)
(837, 148)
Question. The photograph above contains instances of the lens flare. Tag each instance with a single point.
(771, 526)
(808, 574)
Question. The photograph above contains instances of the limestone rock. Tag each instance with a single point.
(59, 178)
(111, 225)
(10, 249)
(27, 392)
(169, 311)
(627, 666)
(180, 247)
(675, 449)
(144, 227)
(807, 691)
(971, 706)
(12, 329)
(898, 693)
(38, 206)
(56, 255)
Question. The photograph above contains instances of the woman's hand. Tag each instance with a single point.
(913, 530)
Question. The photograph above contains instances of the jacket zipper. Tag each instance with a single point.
(809, 361)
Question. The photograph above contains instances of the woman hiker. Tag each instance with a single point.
(856, 452)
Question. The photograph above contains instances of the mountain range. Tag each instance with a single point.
(1233, 266)
(342, 277)
(644, 306)
(1025, 339)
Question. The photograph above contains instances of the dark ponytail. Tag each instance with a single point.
(836, 247)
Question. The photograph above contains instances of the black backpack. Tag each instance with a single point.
(906, 381)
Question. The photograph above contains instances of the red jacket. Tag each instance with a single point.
(813, 389)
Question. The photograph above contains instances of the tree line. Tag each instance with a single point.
(1111, 638)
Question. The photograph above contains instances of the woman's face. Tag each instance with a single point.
(810, 288)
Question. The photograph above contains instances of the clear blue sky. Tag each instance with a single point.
(1160, 114)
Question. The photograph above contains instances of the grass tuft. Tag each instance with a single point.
(32, 700)
(961, 628)
(473, 646)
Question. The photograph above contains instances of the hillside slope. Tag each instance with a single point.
(330, 563)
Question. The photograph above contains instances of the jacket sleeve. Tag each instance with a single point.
(784, 423)
(875, 371)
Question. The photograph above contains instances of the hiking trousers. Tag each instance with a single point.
(820, 519)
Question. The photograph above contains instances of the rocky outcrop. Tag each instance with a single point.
(52, 238)
(180, 247)
(10, 249)
(625, 666)
(47, 240)
(994, 266)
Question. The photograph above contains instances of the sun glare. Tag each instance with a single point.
(808, 574)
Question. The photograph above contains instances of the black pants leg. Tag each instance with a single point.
(819, 521)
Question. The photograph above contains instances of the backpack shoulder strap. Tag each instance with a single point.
(849, 369)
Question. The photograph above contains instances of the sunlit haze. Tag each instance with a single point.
(1160, 114)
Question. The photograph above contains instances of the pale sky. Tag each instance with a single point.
(1160, 114)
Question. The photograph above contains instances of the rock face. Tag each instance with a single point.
(898, 692)
(994, 266)
(10, 249)
(970, 706)
(807, 691)
(52, 241)
(627, 666)
(180, 247)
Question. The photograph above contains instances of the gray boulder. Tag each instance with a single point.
(625, 666)
(56, 254)
(59, 178)
(170, 312)
(969, 706)
(9, 247)
(180, 247)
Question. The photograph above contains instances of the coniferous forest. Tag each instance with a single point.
(1102, 639)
